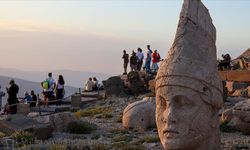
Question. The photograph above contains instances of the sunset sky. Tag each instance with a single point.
(89, 35)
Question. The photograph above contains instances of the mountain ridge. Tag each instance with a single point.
(72, 78)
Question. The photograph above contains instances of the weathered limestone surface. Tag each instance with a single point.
(135, 83)
(114, 86)
(240, 118)
(188, 87)
(140, 114)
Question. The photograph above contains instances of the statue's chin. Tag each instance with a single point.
(182, 143)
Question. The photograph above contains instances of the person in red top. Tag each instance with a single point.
(155, 59)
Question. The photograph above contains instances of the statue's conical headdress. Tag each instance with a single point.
(191, 62)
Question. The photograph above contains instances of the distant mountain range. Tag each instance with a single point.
(72, 78)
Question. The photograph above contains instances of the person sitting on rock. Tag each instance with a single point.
(34, 99)
(225, 64)
(96, 86)
(89, 85)
(27, 98)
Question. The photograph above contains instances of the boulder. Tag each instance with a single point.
(114, 87)
(43, 131)
(241, 116)
(140, 114)
(60, 121)
(151, 85)
(136, 84)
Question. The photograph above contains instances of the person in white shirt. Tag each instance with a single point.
(1, 95)
(140, 57)
(89, 85)
(48, 85)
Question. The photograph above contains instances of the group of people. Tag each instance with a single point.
(53, 90)
(225, 63)
(91, 85)
(136, 60)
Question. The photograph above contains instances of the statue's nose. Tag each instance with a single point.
(169, 116)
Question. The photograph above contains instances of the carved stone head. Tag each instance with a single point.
(188, 87)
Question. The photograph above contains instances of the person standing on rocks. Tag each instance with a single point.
(140, 58)
(48, 85)
(1, 95)
(125, 58)
(133, 61)
(155, 59)
(147, 63)
(149, 52)
(59, 89)
(12, 99)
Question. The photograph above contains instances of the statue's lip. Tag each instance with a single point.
(169, 131)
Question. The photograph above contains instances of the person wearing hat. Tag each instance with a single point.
(1, 95)
(12, 99)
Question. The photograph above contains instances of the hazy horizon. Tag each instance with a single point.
(72, 78)
(90, 35)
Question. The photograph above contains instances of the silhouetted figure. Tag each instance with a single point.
(225, 64)
(133, 61)
(125, 58)
(12, 99)
(60, 89)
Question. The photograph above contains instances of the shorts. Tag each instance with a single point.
(48, 94)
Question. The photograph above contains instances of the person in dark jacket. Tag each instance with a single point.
(12, 99)
(34, 99)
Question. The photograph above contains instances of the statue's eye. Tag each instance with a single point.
(182, 101)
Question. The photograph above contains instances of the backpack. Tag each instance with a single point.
(133, 60)
(46, 84)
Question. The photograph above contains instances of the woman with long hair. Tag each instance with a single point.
(60, 89)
